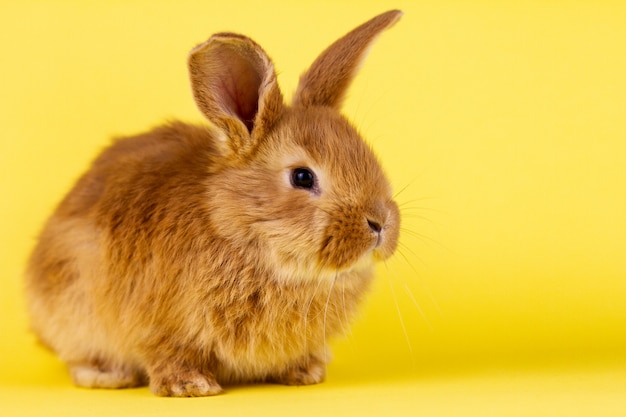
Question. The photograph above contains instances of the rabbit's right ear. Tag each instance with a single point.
(234, 84)
(326, 82)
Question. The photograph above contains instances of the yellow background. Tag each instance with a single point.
(504, 125)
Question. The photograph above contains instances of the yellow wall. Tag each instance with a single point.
(504, 123)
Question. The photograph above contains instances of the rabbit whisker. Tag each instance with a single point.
(409, 292)
(407, 248)
(395, 300)
(404, 207)
(424, 286)
(416, 216)
(330, 291)
(403, 189)
(424, 238)
(346, 323)
(416, 199)
(306, 313)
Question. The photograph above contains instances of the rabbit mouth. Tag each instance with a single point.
(354, 252)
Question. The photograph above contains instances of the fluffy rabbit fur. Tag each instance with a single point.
(191, 256)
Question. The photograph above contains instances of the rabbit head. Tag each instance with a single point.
(296, 179)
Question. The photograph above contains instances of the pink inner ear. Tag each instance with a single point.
(239, 85)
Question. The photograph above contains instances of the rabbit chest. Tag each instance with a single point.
(219, 306)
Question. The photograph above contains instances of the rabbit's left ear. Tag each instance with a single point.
(234, 84)
(328, 78)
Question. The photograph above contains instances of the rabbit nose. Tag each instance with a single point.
(374, 226)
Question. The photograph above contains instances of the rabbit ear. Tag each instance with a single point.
(234, 85)
(328, 78)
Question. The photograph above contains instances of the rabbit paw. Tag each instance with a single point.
(188, 383)
(311, 373)
(97, 376)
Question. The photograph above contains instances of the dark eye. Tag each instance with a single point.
(303, 178)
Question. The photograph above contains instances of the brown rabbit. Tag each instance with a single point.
(191, 256)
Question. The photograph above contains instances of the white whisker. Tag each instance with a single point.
(346, 324)
(404, 208)
(424, 286)
(332, 286)
(405, 246)
(306, 314)
(395, 299)
(415, 200)
(410, 183)
(426, 239)
(418, 216)
(411, 295)
(403, 189)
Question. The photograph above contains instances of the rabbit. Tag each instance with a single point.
(191, 257)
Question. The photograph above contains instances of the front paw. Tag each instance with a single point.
(189, 383)
(310, 373)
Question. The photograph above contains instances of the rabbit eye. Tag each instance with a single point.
(303, 178)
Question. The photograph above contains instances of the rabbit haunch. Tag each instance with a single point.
(187, 257)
